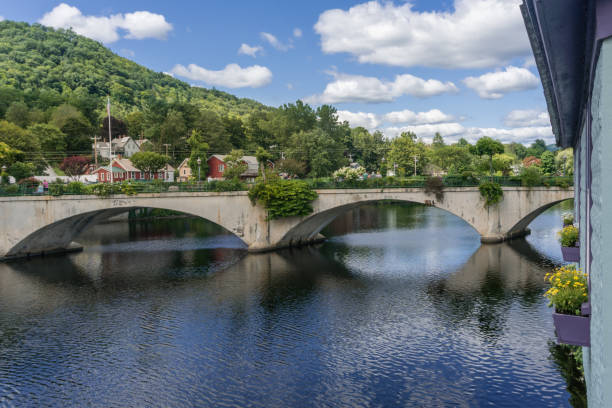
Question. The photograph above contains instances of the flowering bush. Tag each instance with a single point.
(568, 236)
(568, 219)
(349, 173)
(568, 290)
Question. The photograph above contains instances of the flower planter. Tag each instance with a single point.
(571, 254)
(574, 330)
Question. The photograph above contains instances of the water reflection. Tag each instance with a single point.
(402, 306)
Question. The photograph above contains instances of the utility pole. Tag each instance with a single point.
(415, 162)
(110, 141)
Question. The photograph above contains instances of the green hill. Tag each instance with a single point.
(42, 66)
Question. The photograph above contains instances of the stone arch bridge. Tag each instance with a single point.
(35, 225)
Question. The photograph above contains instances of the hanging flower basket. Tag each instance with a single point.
(572, 329)
(569, 295)
(571, 254)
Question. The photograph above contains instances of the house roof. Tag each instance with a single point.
(125, 164)
(184, 163)
(561, 33)
(251, 161)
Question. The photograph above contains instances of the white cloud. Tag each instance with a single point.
(357, 88)
(139, 25)
(274, 42)
(248, 50)
(493, 85)
(367, 120)
(232, 76)
(452, 132)
(420, 118)
(529, 117)
(297, 33)
(475, 34)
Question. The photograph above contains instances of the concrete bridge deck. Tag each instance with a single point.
(34, 225)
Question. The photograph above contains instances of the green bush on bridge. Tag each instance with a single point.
(491, 192)
(284, 198)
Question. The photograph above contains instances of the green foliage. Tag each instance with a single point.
(127, 188)
(226, 185)
(104, 189)
(568, 289)
(349, 173)
(568, 236)
(531, 176)
(548, 163)
(491, 192)
(149, 162)
(568, 219)
(8, 155)
(56, 188)
(284, 198)
(490, 147)
(21, 170)
(435, 186)
(199, 149)
(235, 166)
(75, 187)
(404, 149)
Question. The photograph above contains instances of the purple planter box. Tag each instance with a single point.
(572, 329)
(571, 254)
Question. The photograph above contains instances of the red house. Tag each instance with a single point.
(123, 169)
(216, 167)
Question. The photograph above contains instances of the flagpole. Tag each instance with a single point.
(110, 141)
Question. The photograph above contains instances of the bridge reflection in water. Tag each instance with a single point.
(409, 311)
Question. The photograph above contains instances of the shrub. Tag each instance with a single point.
(75, 187)
(284, 198)
(491, 192)
(531, 176)
(227, 185)
(568, 236)
(127, 188)
(104, 189)
(349, 173)
(568, 219)
(470, 177)
(435, 186)
(12, 189)
(568, 291)
(56, 188)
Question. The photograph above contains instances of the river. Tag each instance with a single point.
(402, 306)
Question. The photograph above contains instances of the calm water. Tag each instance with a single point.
(401, 307)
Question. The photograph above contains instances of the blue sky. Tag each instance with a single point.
(463, 68)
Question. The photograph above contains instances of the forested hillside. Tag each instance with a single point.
(53, 90)
(46, 64)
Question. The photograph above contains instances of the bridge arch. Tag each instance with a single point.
(62, 233)
(309, 229)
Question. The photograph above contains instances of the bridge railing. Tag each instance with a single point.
(106, 189)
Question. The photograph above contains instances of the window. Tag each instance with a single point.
(221, 168)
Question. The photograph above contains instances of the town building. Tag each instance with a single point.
(184, 171)
(217, 166)
(122, 146)
(123, 169)
(572, 45)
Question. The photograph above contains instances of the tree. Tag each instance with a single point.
(548, 163)
(21, 170)
(75, 166)
(369, 148)
(537, 148)
(262, 158)
(404, 150)
(292, 167)
(438, 141)
(518, 150)
(51, 139)
(319, 150)
(149, 162)
(564, 160)
(235, 165)
(488, 146)
(18, 138)
(18, 113)
(118, 128)
(8, 155)
(454, 159)
(502, 162)
(199, 150)
(213, 132)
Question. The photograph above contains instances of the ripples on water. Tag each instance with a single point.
(405, 309)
